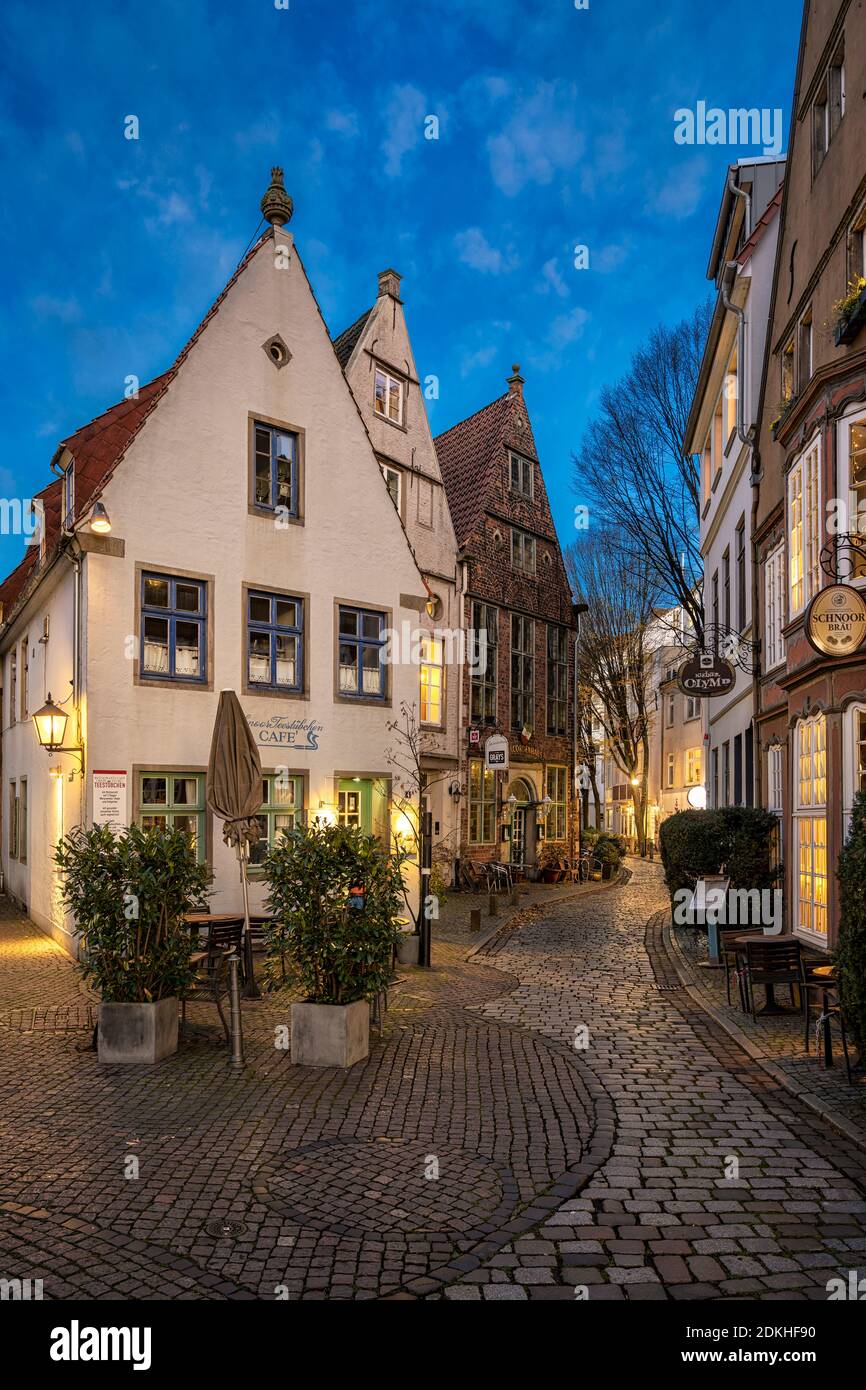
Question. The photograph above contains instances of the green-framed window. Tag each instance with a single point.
(482, 804)
(175, 799)
(556, 786)
(282, 809)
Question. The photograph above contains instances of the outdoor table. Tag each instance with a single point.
(828, 981)
(741, 946)
(196, 920)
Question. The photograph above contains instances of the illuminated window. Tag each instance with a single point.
(852, 447)
(693, 766)
(482, 803)
(774, 778)
(730, 398)
(811, 826)
(432, 679)
(774, 606)
(804, 528)
(556, 785)
(670, 770)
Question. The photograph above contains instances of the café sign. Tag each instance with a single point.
(836, 620)
(496, 752)
(282, 732)
(706, 674)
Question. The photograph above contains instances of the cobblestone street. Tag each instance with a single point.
(659, 1160)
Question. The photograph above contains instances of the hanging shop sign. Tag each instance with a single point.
(836, 620)
(706, 674)
(109, 798)
(496, 753)
(301, 734)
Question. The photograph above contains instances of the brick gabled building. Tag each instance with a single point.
(517, 606)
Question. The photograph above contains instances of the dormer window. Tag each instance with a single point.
(388, 398)
(275, 470)
(522, 474)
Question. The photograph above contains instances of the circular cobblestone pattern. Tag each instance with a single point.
(385, 1187)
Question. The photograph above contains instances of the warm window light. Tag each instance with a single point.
(99, 520)
(50, 723)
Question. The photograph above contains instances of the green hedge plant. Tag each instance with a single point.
(850, 953)
(335, 953)
(129, 894)
(733, 839)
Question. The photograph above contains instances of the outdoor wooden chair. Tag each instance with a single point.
(770, 965)
(821, 996)
(730, 958)
(472, 878)
(210, 982)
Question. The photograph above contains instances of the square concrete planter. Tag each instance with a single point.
(407, 949)
(330, 1035)
(137, 1033)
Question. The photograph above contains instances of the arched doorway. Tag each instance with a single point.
(524, 828)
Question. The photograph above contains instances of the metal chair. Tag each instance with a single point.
(730, 958)
(822, 986)
(210, 982)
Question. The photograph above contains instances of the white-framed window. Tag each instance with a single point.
(804, 528)
(432, 678)
(693, 766)
(393, 482)
(810, 826)
(69, 497)
(774, 778)
(388, 396)
(853, 759)
(175, 800)
(670, 770)
(693, 708)
(774, 606)
(282, 809)
(851, 445)
(522, 476)
(522, 551)
(670, 710)
(730, 399)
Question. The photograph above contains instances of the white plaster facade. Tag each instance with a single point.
(180, 504)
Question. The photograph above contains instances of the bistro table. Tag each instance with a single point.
(741, 946)
(826, 980)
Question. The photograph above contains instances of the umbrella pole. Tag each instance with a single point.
(251, 989)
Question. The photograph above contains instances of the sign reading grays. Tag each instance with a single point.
(836, 620)
(496, 752)
(705, 675)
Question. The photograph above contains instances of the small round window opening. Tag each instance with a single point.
(277, 351)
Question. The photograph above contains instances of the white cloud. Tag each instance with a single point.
(49, 306)
(482, 357)
(608, 258)
(404, 124)
(539, 141)
(551, 280)
(343, 122)
(566, 328)
(680, 194)
(475, 250)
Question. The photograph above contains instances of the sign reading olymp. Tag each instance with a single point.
(496, 752)
(836, 620)
(706, 674)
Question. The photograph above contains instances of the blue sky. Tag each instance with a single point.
(555, 129)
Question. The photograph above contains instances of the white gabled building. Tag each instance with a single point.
(720, 429)
(253, 545)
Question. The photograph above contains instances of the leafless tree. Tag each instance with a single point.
(632, 471)
(614, 653)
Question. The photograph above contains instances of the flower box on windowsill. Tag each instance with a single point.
(851, 323)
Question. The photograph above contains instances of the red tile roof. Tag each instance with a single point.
(469, 452)
(761, 225)
(24, 576)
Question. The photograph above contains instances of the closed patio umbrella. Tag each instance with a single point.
(234, 793)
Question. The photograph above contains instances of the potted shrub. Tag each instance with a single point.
(129, 894)
(608, 850)
(551, 872)
(340, 955)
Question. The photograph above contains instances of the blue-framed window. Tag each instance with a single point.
(173, 628)
(275, 468)
(275, 641)
(361, 639)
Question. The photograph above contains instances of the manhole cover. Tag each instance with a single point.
(223, 1230)
(398, 1187)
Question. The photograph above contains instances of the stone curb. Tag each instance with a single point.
(830, 1117)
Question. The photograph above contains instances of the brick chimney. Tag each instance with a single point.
(515, 382)
(389, 283)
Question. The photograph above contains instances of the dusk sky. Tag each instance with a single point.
(556, 128)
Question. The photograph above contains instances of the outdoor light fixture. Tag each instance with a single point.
(542, 810)
(100, 521)
(455, 791)
(51, 723)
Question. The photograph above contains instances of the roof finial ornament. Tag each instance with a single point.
(276, 205)
(515, 382)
